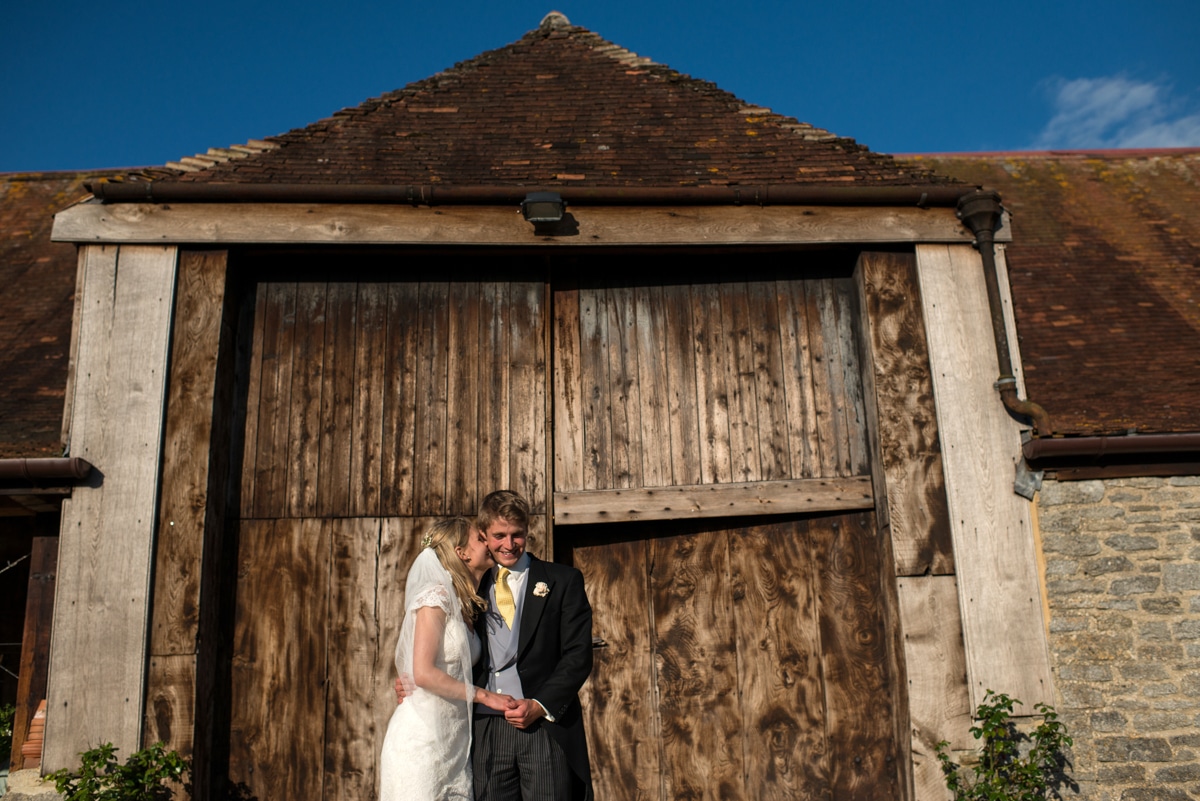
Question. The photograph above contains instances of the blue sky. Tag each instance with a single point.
(116, 84)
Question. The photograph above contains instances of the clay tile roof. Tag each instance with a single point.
(559, 107)
(36, 306)
(1105, 273)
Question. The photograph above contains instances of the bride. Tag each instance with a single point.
(426, 751)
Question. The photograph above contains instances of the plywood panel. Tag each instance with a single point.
(854, 657)
(990, 525)
(619, 699)
(279, 669)
(101, 612)
(897, 367)
(780, 685)
(696, 663)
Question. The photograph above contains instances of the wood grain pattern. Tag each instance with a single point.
(696, 669)
(283, 223)
(682, 394)
(625, 399)
(185, 506)
(780, 685)
(854, 657)
(399, 406)
(742, 392)
(712, 393)
(714, 500)
(897, 356)
(597, 411)
(775, 456)
(334, 476)
(279, 667)
(527, 394)
(101, 614)
(937, 676)
(648, 333)
(433, 342)
(796, 369)
(620, 697)
(995, 561)
(271, 453)
(304, 408)
(568, 388)
(370, 346)
(253, 400)
(464, 373)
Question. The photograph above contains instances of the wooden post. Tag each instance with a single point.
(35, 645)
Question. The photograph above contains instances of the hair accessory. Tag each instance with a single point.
(427, 541)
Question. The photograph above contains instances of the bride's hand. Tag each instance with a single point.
(497, 701)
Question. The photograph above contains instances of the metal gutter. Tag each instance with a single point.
(758, 195)
(38, 471)
(1099, 447)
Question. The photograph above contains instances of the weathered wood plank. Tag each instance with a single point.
(462, 398)
(81, 256)
(624, 392)
(897, 366)
(527, 394)
(736, 322)
(569, 396)
(433, 342)
(619, 700)
(171, 702)
(35, 640)
(271, 454)
(712, 392)
(494, 400)
(400, 400)
(852, 387)
(369, 370)
(101, 611)
(696, 668)
(779, 676)
(993, 539)
(337, 400)
(803, 437)
(597, 406)
(682, 391)
(864, 752)
(649, 336)
(937, 687)
(184, 500)
(279, 667)
(458, 225)
(824, 401)
(352, 737)
(253, 397)
(714, 500)
(833, 376)
(774, 454)
(304, 428)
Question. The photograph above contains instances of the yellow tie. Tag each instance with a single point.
(504, 597)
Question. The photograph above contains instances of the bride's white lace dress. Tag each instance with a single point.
(426, 751)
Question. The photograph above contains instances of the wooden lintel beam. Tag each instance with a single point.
(296, 223)
(714, 500)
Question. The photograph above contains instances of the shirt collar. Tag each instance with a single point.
(518, 569)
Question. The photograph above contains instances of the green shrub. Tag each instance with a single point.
(1003, 773)
(102, 778)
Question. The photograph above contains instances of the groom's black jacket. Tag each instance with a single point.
(554, 653)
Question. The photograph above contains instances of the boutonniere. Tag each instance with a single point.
(541, 589)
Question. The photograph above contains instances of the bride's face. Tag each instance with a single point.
(476, 555)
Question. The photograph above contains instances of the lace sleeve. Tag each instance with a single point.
(436, 596)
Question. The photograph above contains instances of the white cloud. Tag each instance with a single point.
(1116, 112)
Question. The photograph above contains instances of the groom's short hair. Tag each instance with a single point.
(503, 505)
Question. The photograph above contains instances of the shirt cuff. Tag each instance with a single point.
(545, 711)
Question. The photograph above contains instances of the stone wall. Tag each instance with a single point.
(1123, 583)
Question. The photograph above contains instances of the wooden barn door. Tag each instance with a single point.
(742, 660)
(372, 410)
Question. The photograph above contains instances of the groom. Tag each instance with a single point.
(537, 636)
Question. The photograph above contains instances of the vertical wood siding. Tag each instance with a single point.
(707, 383)
(745, 662)
(372, 399)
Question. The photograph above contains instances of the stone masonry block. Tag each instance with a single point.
(1108, 564)
(1134, 586)
(1133, 749)
(1181, 578)
(1072, 546)
(1130, 543)
(1057, 493)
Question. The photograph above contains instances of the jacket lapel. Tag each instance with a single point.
(532, 605)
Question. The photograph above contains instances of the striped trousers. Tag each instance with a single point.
(512, 764)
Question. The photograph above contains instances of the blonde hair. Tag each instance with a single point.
(444, 537)
(503, 505)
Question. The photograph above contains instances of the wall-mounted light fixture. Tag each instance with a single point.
(543, 207)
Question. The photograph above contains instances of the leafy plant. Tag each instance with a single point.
(102, 778)
(7, 713)
(1003, 772)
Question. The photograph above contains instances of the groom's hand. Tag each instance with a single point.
(404, 687)
(524, 713)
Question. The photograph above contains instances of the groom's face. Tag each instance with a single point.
(506, 541)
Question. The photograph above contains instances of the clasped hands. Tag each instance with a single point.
(520, 712)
